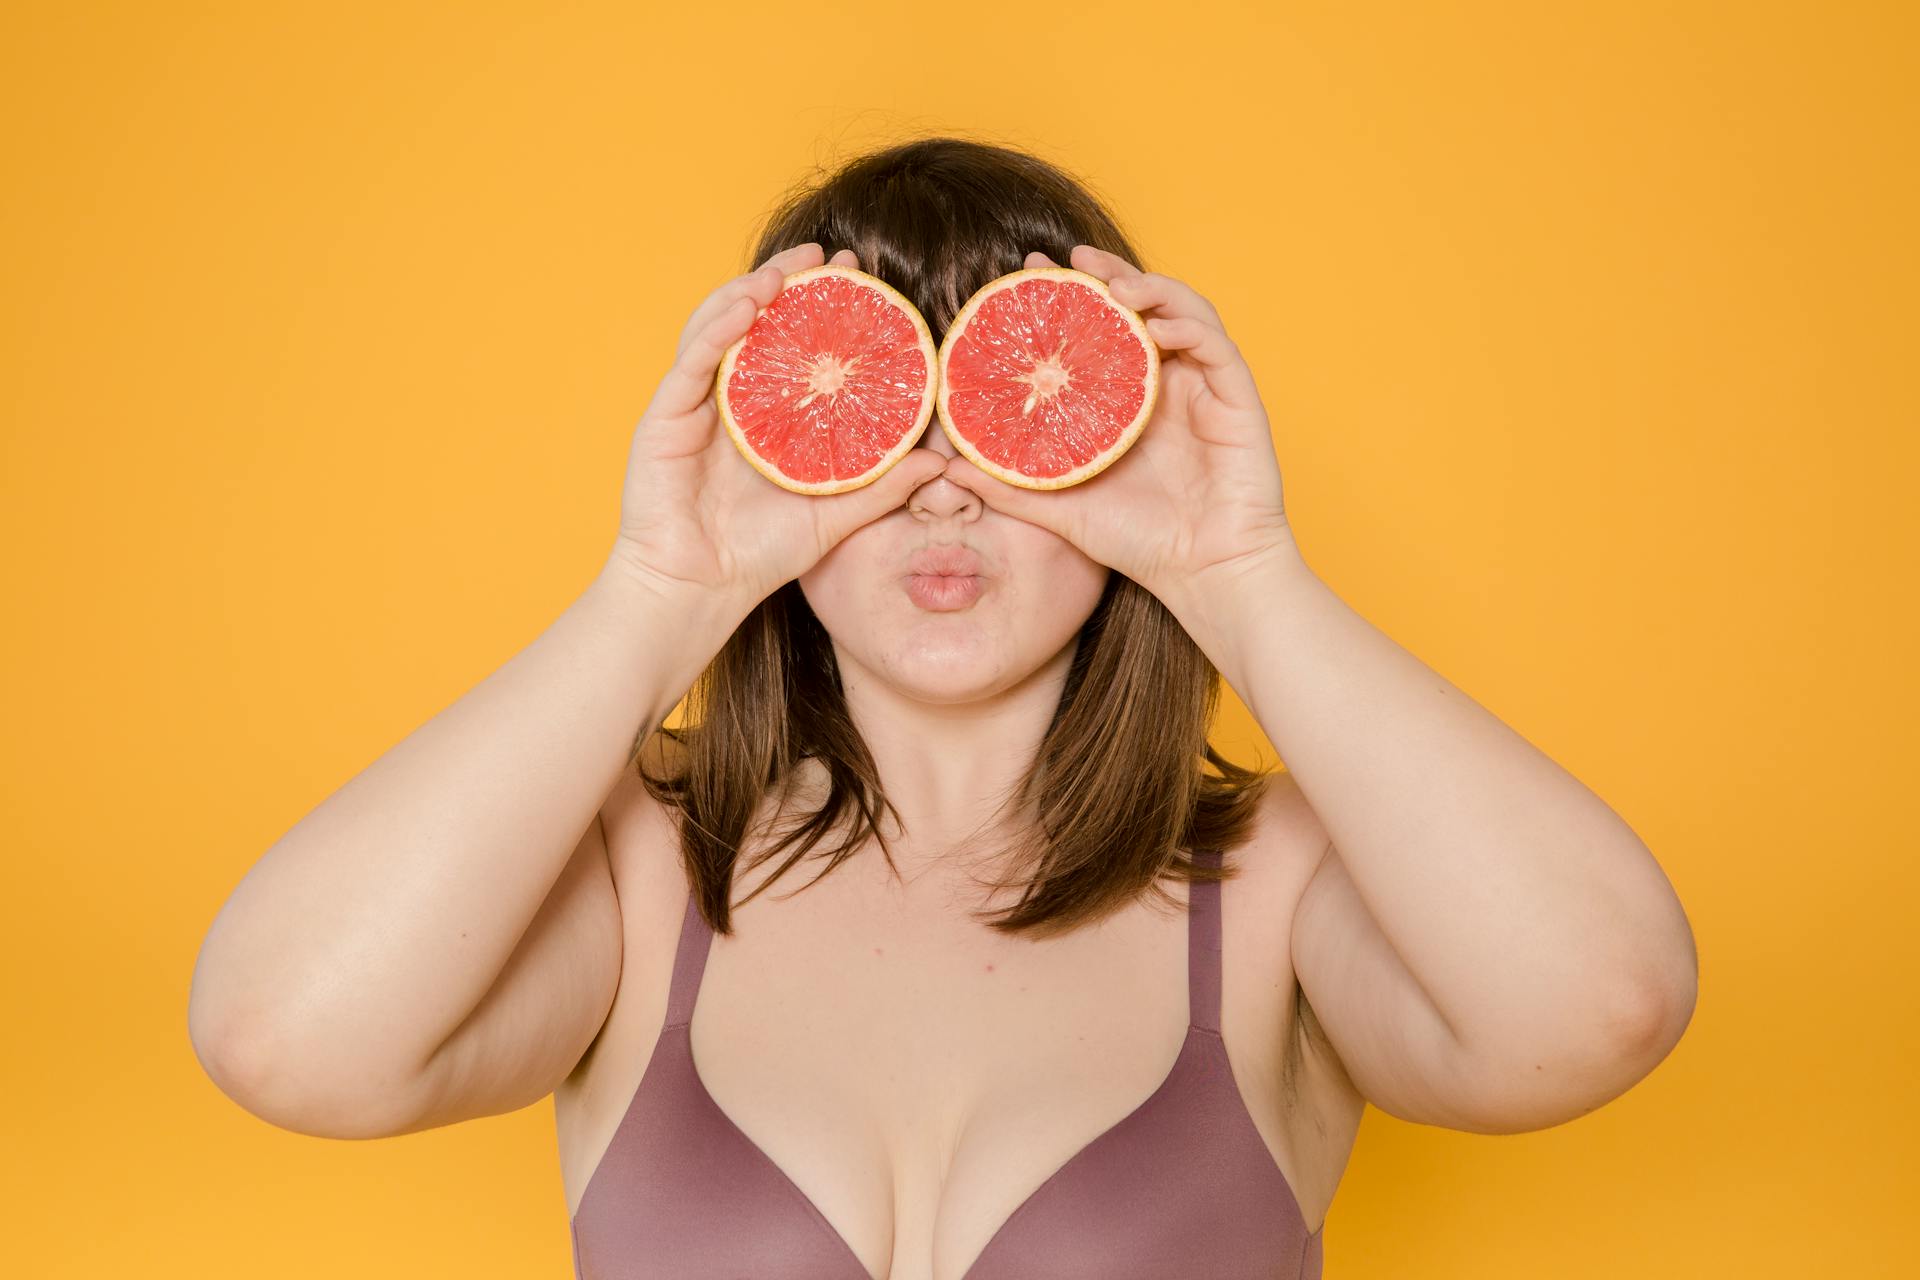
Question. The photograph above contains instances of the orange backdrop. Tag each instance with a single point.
(1587, 331)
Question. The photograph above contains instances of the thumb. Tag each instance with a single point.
(1043, 507)
(842, 513)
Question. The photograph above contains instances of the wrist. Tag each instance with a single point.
(1226, 607)
(1228, 581)
(674, 627)
(627, 575)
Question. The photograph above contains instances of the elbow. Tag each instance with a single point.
(1659, 1005)
(308, 1081)
(277, 1083)
(229, 1047)
(1656, 1015)
(1678, 1017)
(1657, 982)
(1562, 1081)
(229, 1058)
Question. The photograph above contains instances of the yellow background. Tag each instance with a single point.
(1588, 335)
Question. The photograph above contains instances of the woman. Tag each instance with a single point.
(982, 1038)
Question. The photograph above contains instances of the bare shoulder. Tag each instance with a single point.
(1281, 854)
(1313, 1102)
(643, 856)
(1272, 868)
(1289, 824)
(643, 834)
(1289, 847)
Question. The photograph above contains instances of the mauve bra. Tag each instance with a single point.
(1182, 1186)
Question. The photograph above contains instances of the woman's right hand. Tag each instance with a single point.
(694, 512)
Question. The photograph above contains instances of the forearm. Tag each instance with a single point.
(365, 935)
(1522, 904)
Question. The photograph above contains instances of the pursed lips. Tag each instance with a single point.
(945, 562)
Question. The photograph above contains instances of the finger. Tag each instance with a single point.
(1098, 262)
(1183, 321)
(797, 257)
(1038, 259)
(845, 258)
(1144, 290)
(761, 284)
(1220, 361)
(690, 380)
(1038, 507)
(842, 513)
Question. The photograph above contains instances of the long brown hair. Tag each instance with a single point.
(1118, 796)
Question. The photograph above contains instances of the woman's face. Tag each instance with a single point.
(926, 639)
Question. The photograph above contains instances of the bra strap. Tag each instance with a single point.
(1203, 948)
(689, 962)
(1203, 955)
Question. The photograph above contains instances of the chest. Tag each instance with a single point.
(915, 1075)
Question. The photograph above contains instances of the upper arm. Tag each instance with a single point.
(1391, 1040)
(545, 1008)
(1394, 1044)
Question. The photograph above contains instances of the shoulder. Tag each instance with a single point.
(1297, 1092)
(1272, 868)
(1286, 844)
(630, 805)
(643, 833)
(1289, 847)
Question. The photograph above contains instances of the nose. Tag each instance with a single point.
(940, 498)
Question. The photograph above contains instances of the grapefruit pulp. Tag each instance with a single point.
(1045, 379)
(832, 383)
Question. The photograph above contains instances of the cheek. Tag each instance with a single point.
(1053, 586)
(850, 572)
(1065, 573)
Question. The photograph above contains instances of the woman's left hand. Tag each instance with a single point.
(1197, 496)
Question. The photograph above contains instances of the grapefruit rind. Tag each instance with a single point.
(1107, 457)
(887, 460)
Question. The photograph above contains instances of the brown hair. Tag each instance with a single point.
(1117, 791)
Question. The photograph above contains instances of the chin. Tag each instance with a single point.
(931, 666)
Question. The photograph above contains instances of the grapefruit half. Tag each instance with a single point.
(1045, 380)
(832, 383)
